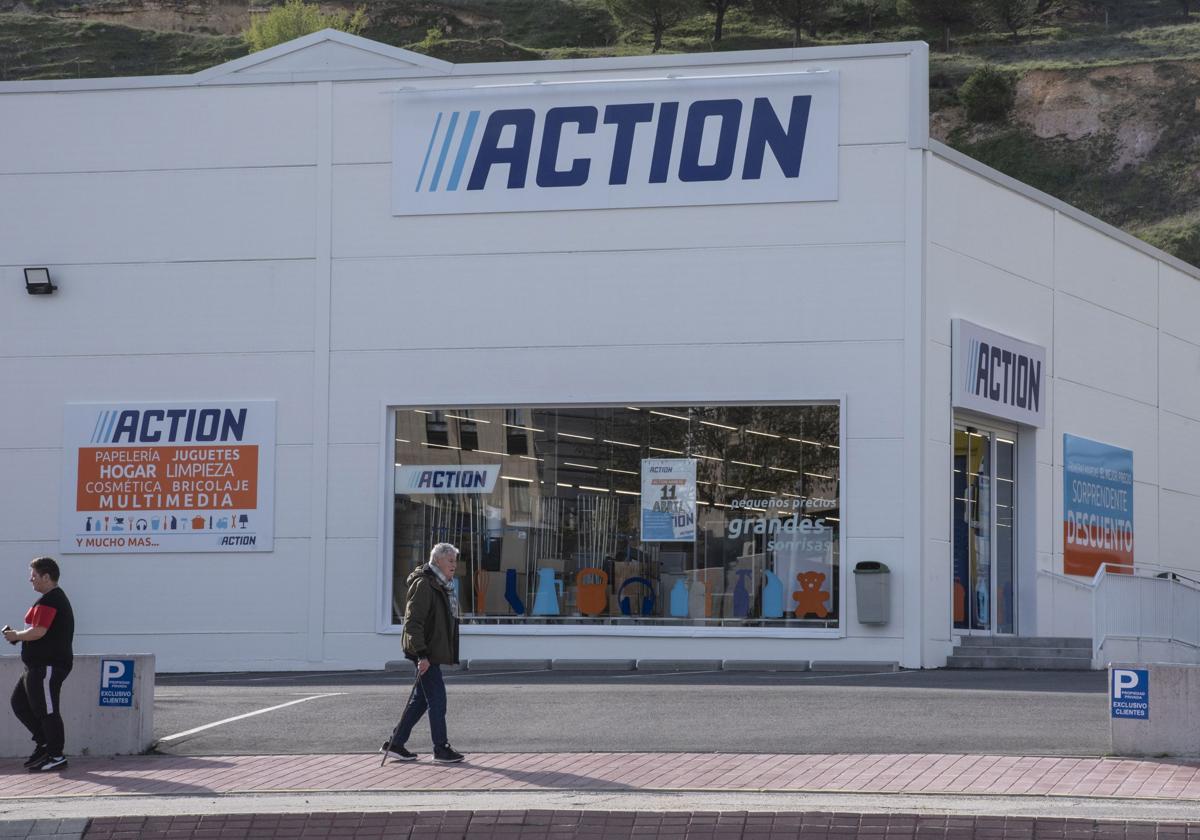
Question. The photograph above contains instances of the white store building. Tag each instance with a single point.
(668, 346)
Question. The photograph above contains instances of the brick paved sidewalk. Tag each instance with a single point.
(617, 825)
(926, 774)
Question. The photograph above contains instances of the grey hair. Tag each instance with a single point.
(441, 550)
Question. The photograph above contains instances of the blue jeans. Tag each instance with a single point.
(428, 694)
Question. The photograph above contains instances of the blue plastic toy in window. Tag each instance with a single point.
(549, 590)
(679, 599)
(741, 594)
(510, 592)
(647, 600)
(772, 596)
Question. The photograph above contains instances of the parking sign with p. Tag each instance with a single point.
(1129, 693)
(116, 682)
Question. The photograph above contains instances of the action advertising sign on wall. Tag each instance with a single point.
(669, 500)
(1097, 506)
(998, 375)
(159, 477)
(638, 143)
(429, 479)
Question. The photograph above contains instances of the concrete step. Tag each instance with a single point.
(1022, 663)
(1025, 641)
(1013, 650)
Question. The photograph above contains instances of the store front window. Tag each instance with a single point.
(695, 515)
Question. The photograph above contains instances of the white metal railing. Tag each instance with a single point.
(1145, 604)
(1065, 604)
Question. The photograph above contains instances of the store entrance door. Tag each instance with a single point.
(984, 519)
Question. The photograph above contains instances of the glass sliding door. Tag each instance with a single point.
(1005, 541)
(983, 536)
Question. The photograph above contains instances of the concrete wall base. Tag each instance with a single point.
(91, 729)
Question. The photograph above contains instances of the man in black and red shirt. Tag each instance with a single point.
(47, 654)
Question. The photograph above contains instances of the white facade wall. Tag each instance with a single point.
(179, 225)
(234, 240)
(1123, 359)
(229, 236)
(589, 307)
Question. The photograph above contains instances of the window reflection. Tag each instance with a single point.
(550, 521)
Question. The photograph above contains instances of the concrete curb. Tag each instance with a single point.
(593, 664)
(678, 665)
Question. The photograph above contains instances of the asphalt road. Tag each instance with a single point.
(1010, 712)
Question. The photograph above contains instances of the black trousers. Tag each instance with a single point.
(35, 703)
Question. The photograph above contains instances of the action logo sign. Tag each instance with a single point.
(168, 477)
(428, 479)
(643, 143)
(998, 374)
(669, 500)
(1097, 506)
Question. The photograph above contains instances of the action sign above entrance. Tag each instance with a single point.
(178, 477)
(637, 143)
(998, 375)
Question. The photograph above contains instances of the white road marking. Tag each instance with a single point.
(187, 732)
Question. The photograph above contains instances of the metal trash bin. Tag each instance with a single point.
(872, 591)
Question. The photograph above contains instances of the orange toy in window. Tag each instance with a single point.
(482, 579)
(591, 598)
(810, 598)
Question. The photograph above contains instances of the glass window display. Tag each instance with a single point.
(694, 515)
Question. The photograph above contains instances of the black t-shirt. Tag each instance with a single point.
(52, 611)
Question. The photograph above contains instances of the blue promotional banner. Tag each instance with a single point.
(1097, 506)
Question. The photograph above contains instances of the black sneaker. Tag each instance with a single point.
(37, 756)
(398, 753)
(49, 764)
(446, 754)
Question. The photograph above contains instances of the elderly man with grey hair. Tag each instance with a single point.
(430, 640)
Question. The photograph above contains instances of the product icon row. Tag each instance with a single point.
(116, 523)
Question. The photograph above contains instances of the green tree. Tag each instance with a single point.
(1011, 15)
(944, 14)
(295, 19)
(656, 15)
(1108, 8)
(867, 10)
(719, 8)
(988, 94)
(799, 15)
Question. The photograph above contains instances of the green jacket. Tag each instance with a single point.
(430, 628)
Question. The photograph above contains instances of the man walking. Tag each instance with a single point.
(47, 654)
(430, 640)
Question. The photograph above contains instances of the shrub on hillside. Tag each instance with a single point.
(988, 94)
(295, 19)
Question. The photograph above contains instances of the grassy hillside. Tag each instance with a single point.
(1152, 191)
(45, 47)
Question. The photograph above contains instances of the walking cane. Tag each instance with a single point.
(416, 684)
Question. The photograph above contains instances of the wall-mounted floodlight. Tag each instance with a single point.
(37, 281)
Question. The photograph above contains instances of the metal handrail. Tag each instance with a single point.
(1176, 572)
(1074, 581)
(1162, 611)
